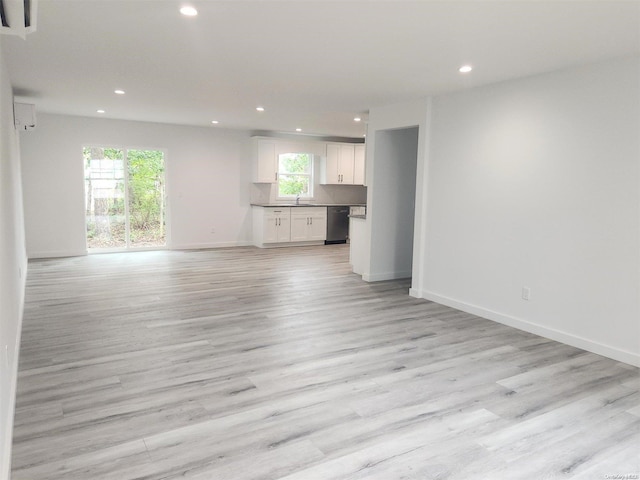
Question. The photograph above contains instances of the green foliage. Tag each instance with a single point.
(99, 153)
(113, 154)
(146, 187)
(293, 185)
(295, 174)
(105, 199)
(295, 163)
(116, 207)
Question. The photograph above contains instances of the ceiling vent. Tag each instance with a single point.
(18, 17)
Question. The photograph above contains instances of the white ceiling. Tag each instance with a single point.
(312, 64)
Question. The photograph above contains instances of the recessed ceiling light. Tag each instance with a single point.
(357, 119)
(260, 109)
(465, 69)
(188, 11)
(215, 121)
(119, 92)
(298, 129)
(100, 111)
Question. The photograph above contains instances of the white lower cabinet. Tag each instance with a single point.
(278, 226)
(308, 224)
(271, 225)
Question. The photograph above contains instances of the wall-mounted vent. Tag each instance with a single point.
(24, 116)
(18, 17)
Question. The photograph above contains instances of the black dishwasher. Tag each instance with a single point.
(337, 225)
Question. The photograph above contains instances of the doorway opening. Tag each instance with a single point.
(393, 204)
(125, 204)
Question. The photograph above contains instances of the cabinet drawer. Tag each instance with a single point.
(309, 211)
(277, 210)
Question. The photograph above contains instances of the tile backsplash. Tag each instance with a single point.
(338, 194)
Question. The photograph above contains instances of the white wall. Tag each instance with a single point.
(396, 161)
(384, 178)
(535, 183)
(208, 175)
(13, 266)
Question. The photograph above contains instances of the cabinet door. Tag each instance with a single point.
(358, 165)
(276, 225)
(267, 162)
(318, 225)
(270, 229)
(345, 165)
(347, 153)
(284, 228)
(299, 227)
(333, 159)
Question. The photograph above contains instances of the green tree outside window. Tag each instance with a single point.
(295, 175)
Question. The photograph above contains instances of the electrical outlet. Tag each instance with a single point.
(526, 293)
(213, 230)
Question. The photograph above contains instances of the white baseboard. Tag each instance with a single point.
(9, 410)
(289, 244)
(381, 277)
(188, 246)
(570, 339)
(200, 246)
(56, 254)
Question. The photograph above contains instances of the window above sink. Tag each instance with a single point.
(295, 176)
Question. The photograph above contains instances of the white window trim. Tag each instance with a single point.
(311, 176)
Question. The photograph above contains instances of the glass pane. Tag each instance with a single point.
(295, 163)
(295, 175)
(146, 198)
(104, 197)
(294, 185)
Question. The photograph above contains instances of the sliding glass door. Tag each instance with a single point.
(146, 212)
(124, 198)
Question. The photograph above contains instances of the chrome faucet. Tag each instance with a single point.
(297, 199)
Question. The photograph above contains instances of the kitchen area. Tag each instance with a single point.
(306, 192)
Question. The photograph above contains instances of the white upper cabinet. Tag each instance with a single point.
(266, 161)
(330, 168)
(346, 163)
(343, 165)
(266, 152)
(358, 165)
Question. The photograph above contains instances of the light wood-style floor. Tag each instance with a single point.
(243, 363)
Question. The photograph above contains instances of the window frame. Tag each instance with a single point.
(310, 175)
(129, 247)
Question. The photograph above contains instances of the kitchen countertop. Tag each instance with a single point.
(308, 205)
